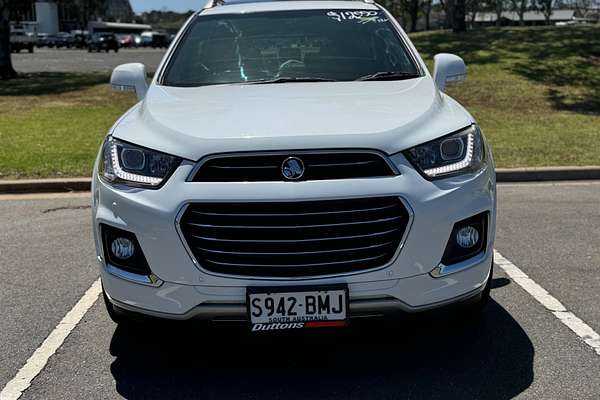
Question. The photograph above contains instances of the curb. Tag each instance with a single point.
(27, 186)
(542, 174)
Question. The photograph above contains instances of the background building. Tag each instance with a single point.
(509, 18)
(119, 11)
(46, 16)
(67, 15)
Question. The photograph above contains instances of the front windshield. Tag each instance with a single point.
(328, 45)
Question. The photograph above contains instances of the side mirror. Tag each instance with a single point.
(130, 78)
(448, 68)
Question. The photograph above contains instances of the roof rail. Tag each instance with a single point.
(216, 3)
(211, 4)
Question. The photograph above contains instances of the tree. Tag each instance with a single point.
(472, 8)
(6, 68)
(412, 7)
(456, 13)
(459, 15)
(520, 6)
(447, 6)
(499, 7)
(427, 13)
(545, 6)
(89, 10)
(582, 7)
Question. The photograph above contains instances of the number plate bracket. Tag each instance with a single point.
(303, 318)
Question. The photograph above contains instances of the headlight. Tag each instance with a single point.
(135, 166)
(450, 155)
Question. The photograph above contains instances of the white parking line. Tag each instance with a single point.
(553, 183)
(36, 363)
(574, 323)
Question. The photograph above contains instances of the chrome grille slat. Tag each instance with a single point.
(341, 164)
(296, 265)
(292, 226)
(245, 167)
(295, 214)
(295, 252)
(294, 238)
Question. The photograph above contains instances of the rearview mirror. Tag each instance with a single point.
(448, 68)
(130, 78)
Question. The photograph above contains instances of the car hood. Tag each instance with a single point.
(389, 116)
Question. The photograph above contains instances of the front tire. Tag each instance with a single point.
(486, 294)
(115, 316)
(475, 307)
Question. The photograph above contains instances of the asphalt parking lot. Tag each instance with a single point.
(73, 60)
(519, 348)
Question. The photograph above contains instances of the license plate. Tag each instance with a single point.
(296, 308)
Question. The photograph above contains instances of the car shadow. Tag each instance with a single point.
(440, 355)
(50, 83)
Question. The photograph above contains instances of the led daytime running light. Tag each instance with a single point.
(128, 176)
(464, 163)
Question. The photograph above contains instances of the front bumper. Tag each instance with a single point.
(180, 289)
(409, 295)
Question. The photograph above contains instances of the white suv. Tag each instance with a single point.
(293, 164)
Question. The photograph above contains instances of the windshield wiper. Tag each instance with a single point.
(285, 79)
(388, 75)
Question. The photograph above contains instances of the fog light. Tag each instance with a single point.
(122, 248)
(467, 237)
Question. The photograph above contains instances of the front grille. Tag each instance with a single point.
(267, 167)
(294, 239)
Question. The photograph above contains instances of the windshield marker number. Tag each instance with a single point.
(362, 17)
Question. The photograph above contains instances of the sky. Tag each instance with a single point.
(179, 5)
(174, 5)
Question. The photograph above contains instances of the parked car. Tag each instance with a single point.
(293, 182)
(43, 40)
(63, 39)
(126, 41)
(22, 41)
(103, 42)
(137, 40)
(80, 39)
(155, 39)
(21, 38)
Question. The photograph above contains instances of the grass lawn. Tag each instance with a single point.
(534, 91)
(51, 125)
